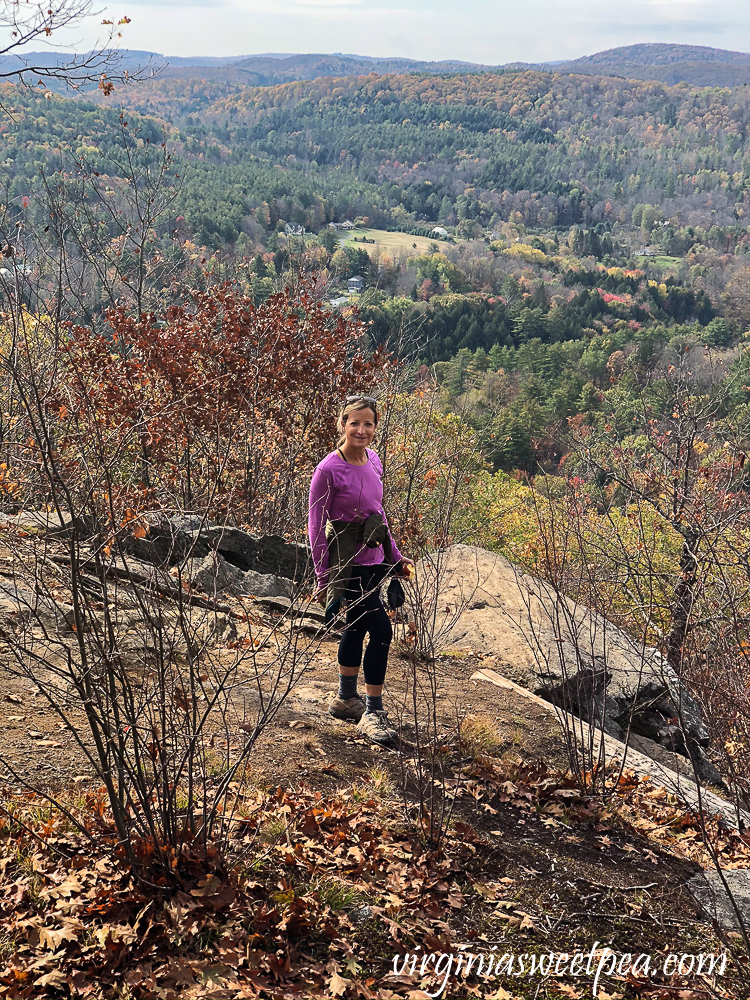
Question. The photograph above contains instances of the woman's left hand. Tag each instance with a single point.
(406, 568)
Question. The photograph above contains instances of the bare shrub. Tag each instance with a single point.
(166, 691)
(573, 653)
(431, 456)
(658, 546)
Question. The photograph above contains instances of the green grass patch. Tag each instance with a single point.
(390, 242)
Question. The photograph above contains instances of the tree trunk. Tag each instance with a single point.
(683, 599)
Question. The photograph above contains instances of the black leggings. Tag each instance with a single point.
(365, 613)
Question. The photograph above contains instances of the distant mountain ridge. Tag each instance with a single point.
(256, 70)
(661, 54)
(668, 63)
(695, 64)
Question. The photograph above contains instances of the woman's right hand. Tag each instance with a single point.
(321, 596)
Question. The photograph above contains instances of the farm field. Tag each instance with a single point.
(392, 242)
(667, 263)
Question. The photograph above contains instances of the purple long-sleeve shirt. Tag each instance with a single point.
(343, 492)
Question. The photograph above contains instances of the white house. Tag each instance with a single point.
(355, 284)
(438, 231)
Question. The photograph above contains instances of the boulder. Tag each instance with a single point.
(166, 544)
(267, 585)
(214, 575)
(20, 605)
(49, 523)
(710, 892)
(265, 554)
(561, 651)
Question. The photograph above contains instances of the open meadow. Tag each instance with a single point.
(392, 243)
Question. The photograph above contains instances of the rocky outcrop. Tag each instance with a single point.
(212, 558)
(557, 649)
(259, 554)
(48, 523)
(166, 544)
(19, 605)
(721, 895)
(213, 575)
(218, 559)
(566, 654)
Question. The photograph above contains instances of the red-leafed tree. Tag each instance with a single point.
(221, 407)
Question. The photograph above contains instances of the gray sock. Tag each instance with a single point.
(347, 687)
(374, 703)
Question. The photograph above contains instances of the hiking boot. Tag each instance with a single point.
(376, 727)
(348, 709)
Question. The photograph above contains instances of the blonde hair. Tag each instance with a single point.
(354, 407)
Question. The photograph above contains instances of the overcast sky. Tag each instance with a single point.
(488, 31)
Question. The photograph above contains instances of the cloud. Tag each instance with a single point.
(484, 31)
(326, 3)
(649, 28)
(180, 4)
(325, 10)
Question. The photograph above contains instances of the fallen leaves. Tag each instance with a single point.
(337, 985)
(54, 978)
(518, 919)
(40, 739)
(256, 936)
(52, 939)
(64, 889)
(568, 991)
(79, 911)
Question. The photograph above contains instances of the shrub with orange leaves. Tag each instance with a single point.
(222, 407)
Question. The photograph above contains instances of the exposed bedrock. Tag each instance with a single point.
(215, 558)
(566, 653)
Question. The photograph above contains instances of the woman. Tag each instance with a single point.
(349, 535)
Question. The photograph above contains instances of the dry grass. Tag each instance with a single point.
(402, 243)
(480, 736)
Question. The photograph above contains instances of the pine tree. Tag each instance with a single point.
(496, 357)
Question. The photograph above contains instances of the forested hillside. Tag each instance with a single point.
(670, 63)
(554, 150)
(560, 150)
(251, 70)
(578, 217)
(696, 64)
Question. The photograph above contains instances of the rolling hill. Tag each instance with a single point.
(695, 64)
(251, 70)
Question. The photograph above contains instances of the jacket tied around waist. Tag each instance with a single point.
(345, 540)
